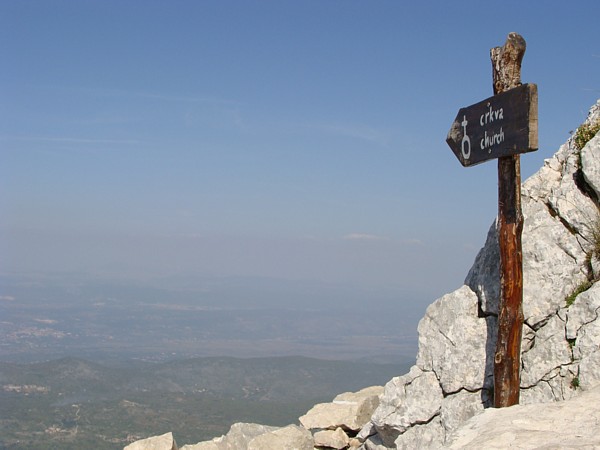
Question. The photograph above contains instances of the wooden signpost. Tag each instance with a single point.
(498, 126)
(503, 127)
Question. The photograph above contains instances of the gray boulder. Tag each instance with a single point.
(335, 439)
(350, 411)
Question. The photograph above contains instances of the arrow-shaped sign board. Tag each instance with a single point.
(503, 125)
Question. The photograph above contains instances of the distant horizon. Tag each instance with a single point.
(46, 318)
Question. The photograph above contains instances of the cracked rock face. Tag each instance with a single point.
(450, 335)
(453, 376)
(412, 399)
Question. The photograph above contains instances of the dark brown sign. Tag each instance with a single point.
(503, 125)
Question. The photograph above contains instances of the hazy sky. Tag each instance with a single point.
(284, 139)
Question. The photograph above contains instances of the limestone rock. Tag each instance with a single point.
(366, 431)
(336, 439)
(455, 410)
(454, 342)
(584, 310)
(458, 408)
(567, 425)
(350, 410)
(588, 374)
(583, 317)
(484, 276)
(553, 259)
(162, 442)
(238, 437)
(414, 398)
(554, 211)
(374, 443)
(455, 345)
(291, 437)
(354, 444)
(240, 434)
(558, 212)
(590, 164)
(424, 436)
(550, 351)
(207, 445)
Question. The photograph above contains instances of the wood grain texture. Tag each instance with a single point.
(506, 64)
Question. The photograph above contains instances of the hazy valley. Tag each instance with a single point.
(55, 317)
(73, 403)
(91, 363)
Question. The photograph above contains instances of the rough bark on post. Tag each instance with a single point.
(506, 63)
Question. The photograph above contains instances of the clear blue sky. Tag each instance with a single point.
(289, 139)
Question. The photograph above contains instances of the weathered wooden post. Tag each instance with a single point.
(503, 127)
(506, 63)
